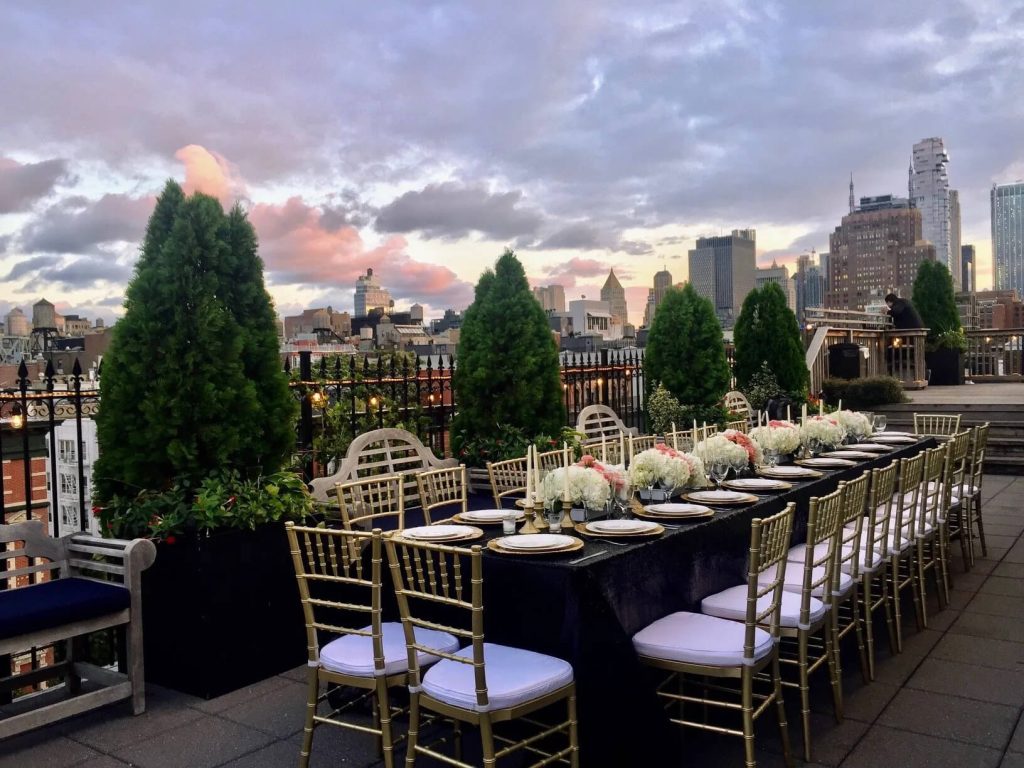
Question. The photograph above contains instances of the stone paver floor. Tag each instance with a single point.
(954, 697)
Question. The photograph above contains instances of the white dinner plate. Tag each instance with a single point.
(621, 526)
(537, 541)
(676, 509)
(827, 463)
(489, 515)
(867, 447)
(437, 532)
(789, 471)
(711, 496)
(849, 455)
(900, 439)
(757, 484)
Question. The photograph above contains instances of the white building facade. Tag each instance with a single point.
(1008, 236)
(779, 276)
(929, 189)
(66, 503)
(594, 318)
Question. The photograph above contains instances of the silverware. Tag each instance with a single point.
(617, 543)
(587, 557)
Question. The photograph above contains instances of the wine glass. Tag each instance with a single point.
(814, 446)
(771, 457)
(719, 469)
(878, 422)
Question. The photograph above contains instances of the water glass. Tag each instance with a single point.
(771, 457)
(554, 514)
(878, 422)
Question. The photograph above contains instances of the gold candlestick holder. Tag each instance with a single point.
(540, 519)
(567, 524)
(528, 513)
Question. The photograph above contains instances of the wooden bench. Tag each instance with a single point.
(382, 452)
(62, 589)
(597, 420)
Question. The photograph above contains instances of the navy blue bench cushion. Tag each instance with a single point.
(55, 603)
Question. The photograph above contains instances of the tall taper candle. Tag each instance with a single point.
(821, 407)
(565, 478)
(803, 414)
(675, 437)
(604, 449)
(529, 476)
(789, 416)
(622, 449)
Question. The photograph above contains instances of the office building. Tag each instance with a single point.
(956, 267)
(370, 296)
(1008, 236)
(779, 276)
(808, 284)
(1000, 309)
(318, 320)
(551, 297)
(614, 294)
(594, 318)
(722, 269)
(874, 251)
(968, 258)
(929, 185)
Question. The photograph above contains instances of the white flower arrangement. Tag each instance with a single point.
(666, 467)
(782, 436)
(855, 423)
(586, 486)
(719, 450)
(825, 429)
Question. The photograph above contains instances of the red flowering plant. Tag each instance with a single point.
(750, 446)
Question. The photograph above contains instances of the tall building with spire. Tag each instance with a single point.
(613, 293)
(852, 201)
(929, 193)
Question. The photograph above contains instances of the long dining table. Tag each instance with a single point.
(587, 612)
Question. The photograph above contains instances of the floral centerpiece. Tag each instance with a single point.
(718, 449)
(781, 436)
(825, 430)
(587, 487)
(613, 474)
(855, 423)
(667, 468)
(754, 455)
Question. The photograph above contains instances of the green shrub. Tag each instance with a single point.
(767, 336)
(663, 411)
(863, 393)
(935, 302)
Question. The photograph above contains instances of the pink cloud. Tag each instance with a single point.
(568, 272)
(209, 172)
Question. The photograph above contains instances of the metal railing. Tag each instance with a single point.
(995, 355)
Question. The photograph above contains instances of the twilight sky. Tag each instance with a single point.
(420, 138)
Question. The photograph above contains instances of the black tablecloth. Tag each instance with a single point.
(587, 613)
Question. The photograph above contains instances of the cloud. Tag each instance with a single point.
(568, 272)
(451, 210)
(78, 225)
(22, 184)
(584, 236)
(209, 172)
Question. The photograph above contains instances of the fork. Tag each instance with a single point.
(587, 557)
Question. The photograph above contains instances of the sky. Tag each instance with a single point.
(422, 138)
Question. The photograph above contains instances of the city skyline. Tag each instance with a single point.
(421, 142)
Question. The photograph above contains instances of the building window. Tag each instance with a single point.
(66, 451)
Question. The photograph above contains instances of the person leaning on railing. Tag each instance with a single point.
(902, 312)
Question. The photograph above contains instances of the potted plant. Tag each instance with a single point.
(945, 344)
(197, 422)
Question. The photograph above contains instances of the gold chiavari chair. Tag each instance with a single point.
(372, 502)
(703, 433)
(341, 598)
(508, 479)
(740, 425)
(927, 536)
(443, 488)
(954, 514)
(696, 644)
(608, 452)
(972, 488)
(644, 442)
(936, 424)
(874, 562)
(903, 543)
(681, 439)
(549, 460)
(482, 684)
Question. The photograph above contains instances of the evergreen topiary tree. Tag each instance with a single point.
(934, 299)
(685, 350)
(191, 384)
(508, 369)
(767, 333)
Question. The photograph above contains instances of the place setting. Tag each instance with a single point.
(895, 438)
(869, 447)
(620, 529)
(757, 485)
(530, 544)
(789, 472)
(827, 463)
(720, 498)
(673, 511)
(487, 516)
(848, 453)
(441, 533)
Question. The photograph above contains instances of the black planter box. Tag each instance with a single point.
(946, 365)
(222, 611)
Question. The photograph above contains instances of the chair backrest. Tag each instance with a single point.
(597, 420)
(769, 546)
(931, 488)
(955, 472)
(942, 425)
(641, 443)
(736, 402)
(607, 453)
(430, 580)
(372, 501)
(824, 524)
(908, 499)
(703, 433)
(29, 554)
(977, 463)
(681, 439)
(443, 488)
(340, 592)
(549, 461)
(740, 425)
(854, 494)
(508, 478)
(880, 503)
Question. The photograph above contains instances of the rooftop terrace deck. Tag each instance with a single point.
(953, 698)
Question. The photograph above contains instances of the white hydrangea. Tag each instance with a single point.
(717, 450)
(586, 486)
(825, 429)
(784, 438)
(855, 423)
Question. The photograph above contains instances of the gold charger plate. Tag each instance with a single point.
(832, 463)
(748, 498)
(673, 518)
(458, 518)
(472, 535)
(739, 485)
(495, 546)
(808, 474)
(582, 528)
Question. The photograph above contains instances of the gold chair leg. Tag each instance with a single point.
(805, 693)
(894, 598)
(890, 624)
(747, 708)
(867, 590)
(981, 527)
(944, 547)
(780, 709)
(313, 689)
(414, 729)
(574, 756)
(921, 587)
(384, 710)
(487, 741)
(834, 674)
(858, 629)
(938, 558)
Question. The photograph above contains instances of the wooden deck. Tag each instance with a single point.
(982, 394)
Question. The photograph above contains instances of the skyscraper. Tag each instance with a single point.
(967, 262)
(1008, 236)
(930, 195)
(369, 295)
(722, 270)
(779, 276)
(955, 254)
(875, 250)
(613, 293)
(551, 297)
(662, 282)
(808, 285)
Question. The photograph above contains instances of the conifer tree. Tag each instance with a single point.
(508, 370)
(177, 400)
(767, 333)
(934, 299)
(685, 350)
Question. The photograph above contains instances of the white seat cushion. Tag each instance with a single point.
(696, 638)
(514, 676)
(870, 559)
(732, 604)
(353, 654)
(793, 581)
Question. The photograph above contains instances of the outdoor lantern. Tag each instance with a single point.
(17, 418)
